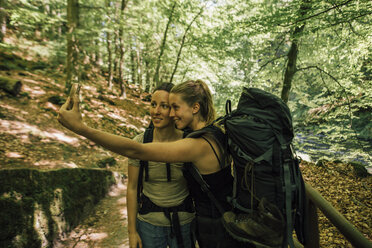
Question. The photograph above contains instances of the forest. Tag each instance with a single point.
(314, 54)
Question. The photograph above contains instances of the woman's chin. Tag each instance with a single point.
(179, 125)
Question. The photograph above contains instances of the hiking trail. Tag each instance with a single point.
(105, 227)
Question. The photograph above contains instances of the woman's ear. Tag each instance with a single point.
(195, 108)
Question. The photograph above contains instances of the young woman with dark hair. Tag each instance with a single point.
(155, 189)
(191, 107)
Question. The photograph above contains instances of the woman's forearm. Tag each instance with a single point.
(132, 208)
(115, 143)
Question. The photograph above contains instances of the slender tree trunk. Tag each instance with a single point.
(2, 20)
(133, 65)
(183, 43)
(291, 68)
(162, 48)
(72, 43)
(139, 66)
(109, 54)
(147, 82)
(47, 32)
(57, 12)
(108, 46)
(121, 51)
(116, 51)
(97, 55)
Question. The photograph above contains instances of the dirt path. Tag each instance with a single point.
(106, 227)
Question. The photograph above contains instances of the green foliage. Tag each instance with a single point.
(232, 44)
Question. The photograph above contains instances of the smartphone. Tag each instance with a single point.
(75, 89)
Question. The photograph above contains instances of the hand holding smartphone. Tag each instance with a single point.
(75, 89)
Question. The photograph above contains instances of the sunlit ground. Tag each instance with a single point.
(106, 227)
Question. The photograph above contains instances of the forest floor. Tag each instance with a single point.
(31, 137)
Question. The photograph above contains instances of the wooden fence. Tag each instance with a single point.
(315, 201)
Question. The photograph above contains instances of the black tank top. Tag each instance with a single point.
(220, 182)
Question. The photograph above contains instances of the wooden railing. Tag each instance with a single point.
(338, 220)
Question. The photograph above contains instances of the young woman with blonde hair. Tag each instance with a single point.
(191, 107)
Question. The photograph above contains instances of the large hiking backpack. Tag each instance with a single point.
(259, 134)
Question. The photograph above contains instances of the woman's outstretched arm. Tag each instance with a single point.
(72, 120)
(185, 150)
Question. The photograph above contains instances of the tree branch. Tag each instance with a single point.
(320, 13)
(270, 61)
(334, 79)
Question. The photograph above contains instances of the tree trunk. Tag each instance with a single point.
(133, 65)
(139, 67)
(10, 85)
(2, 21)
(293, 52)
(156, 77)
(291, 67)
(121, 51)
(147, 82)
(97, 55)
(182, 44)
(108, 46)
(72, 44)
(109, 53)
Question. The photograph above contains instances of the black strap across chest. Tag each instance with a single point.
(147, 206)
(148, 137)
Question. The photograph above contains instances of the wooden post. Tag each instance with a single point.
(346, 228)
(313, 227)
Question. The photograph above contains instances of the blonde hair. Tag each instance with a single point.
(197, 91)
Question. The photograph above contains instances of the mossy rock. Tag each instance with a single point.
(359, 169)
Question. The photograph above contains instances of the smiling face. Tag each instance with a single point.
(181, 112)
(159, 109)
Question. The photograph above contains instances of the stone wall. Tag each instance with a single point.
(38, 207)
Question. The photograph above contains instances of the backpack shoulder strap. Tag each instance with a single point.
(218, 136)
(144, 165)
(214, 151)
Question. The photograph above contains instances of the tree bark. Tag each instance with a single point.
(147, 82)
(2, 20)
(162, 48)
(10, 85)
(291, 67)
(139, 66)
(183, 43)
(133, 65)
(109, 48)
(121, 51)
(109, 54)
(72, 44)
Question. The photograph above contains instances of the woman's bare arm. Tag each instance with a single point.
(192, 150)
(132, 207)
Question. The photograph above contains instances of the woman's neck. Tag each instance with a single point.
(197, 124)
(167, 134)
